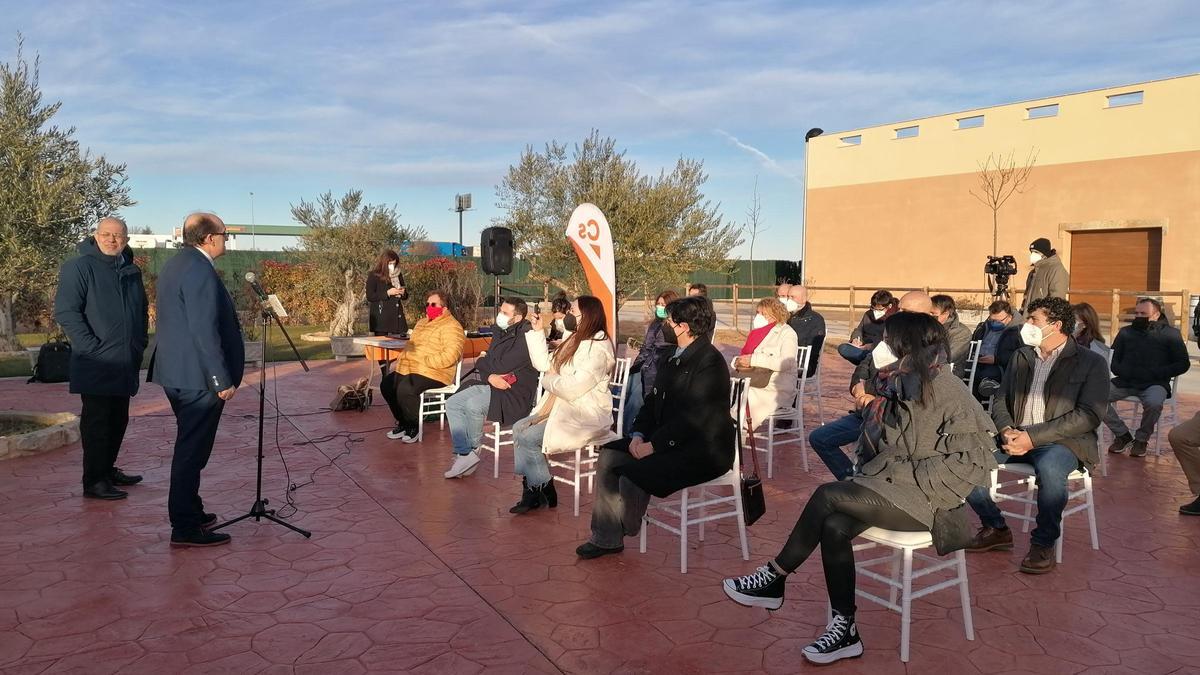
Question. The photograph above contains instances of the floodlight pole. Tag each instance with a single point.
(812, 133)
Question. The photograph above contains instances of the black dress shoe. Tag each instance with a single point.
(198, 537)
(207, 520)
(588, 550)
(103, 489)
(119, 477)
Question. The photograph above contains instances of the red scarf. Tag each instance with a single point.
(755, 338)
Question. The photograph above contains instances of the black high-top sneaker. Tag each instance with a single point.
(764, 588)
(840, 641)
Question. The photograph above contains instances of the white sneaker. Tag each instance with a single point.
(464, 465)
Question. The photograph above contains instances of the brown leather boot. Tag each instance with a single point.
(991, 539)
(1039, 561)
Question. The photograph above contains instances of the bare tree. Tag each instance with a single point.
(1000, 177)
(754, 227)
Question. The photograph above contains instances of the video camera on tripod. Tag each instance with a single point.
(999, 268)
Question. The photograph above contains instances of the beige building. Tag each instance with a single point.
(1115, 187)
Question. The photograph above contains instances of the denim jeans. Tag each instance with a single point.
(634, 398)
(528, 459)
(852, 354)
(1152, 399)
(467, 413)
(619, 504)
(1051, 464)
(828, 440)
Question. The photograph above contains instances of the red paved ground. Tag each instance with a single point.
(408, 572)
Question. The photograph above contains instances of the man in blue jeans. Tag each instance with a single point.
(503, 393)
(1050, 403)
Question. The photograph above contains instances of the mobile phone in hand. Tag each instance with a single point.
(509, 378)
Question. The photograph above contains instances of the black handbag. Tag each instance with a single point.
(754, 503)
(951, 529)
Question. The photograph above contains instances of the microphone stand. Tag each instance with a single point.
(259, 510)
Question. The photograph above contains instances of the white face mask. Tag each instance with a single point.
(1034, 257)
(878, 313)
(1032, 335)
(558, 323)
(791, 304)
(503, 321)
(759, 321)
(883, 356)
(391, 267)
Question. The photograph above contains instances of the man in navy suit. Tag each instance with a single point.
(198, 360)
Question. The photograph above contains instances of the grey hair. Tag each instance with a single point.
(197, 226)
(124, 225)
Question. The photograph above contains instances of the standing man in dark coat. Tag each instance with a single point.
(1048, 278)
(101, 304)
(683, 436)
(198, 359)
(503, 393)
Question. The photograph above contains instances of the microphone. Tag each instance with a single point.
(252, 279)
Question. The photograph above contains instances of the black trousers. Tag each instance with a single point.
(102, 425)
(403, 396)
(836, 514)
(197, 414)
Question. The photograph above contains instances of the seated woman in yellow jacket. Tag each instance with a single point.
(429, 360)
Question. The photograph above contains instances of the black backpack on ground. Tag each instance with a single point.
(53, 363)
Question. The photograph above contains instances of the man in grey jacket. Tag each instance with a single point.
(1047, 276)
(1048, 409)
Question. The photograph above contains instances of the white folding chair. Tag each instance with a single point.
(683, 511)
(1028, 481)
(816, 376)
(496, 437)
(972, 365)
(580, 463)
(900, 581)
(433, 402)
(772, 434)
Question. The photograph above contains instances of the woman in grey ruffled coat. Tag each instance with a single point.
(926, 443)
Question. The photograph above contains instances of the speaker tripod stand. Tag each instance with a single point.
(259, 511)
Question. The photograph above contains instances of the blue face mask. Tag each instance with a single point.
(660, 312)
(995, 325)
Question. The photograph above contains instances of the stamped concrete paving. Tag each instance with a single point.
(408, 572)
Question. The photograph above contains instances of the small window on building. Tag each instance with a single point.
(908, 132)
(1038, 112)
(852, 140)
(1128, 98)
(972, 122)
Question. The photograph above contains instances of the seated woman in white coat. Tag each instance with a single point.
(771, 345)
(576, 409)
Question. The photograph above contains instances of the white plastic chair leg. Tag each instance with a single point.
(578, 459)
(906, 605)
(964, 595)
(1091, 512)
(683, 530)
(897, 561)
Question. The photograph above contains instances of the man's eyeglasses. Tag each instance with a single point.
(109, 235)
(224, 234)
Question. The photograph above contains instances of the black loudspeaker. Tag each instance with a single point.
(496, 250)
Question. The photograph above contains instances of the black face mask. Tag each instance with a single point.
(570, 323)
(669, 335)
(1141, 322)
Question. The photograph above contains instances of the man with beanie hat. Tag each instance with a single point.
(1047, 276)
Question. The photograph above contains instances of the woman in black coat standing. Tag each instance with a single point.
(385, 291)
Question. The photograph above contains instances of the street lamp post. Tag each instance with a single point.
(461, 203)
(253, 240)
(812, 133)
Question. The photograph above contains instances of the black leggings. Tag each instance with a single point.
(836, 514)
(403, 396)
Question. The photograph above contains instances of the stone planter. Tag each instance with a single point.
(62, 429)
(343, 347)
(254, 353)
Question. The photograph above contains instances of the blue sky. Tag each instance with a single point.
(414, 102)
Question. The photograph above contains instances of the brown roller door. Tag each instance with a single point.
(1125, 259)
